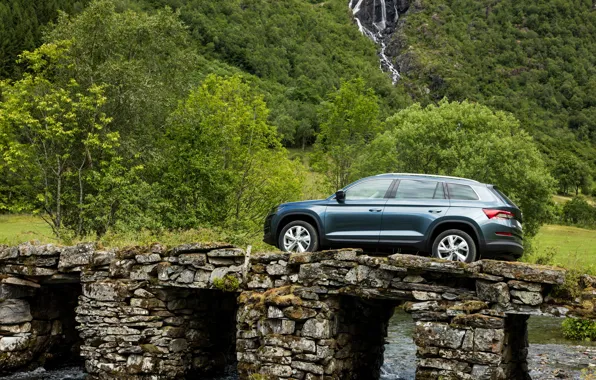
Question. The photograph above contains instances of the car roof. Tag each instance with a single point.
(429, 176)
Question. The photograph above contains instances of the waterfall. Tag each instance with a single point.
(377, 35)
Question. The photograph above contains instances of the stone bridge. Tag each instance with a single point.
(189, 311)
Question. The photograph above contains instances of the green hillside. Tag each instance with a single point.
(536, 60)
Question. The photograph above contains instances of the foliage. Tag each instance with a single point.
(572, 173)
(579, 212)
(56, 145)
(223, 162)
(144, 60)
(533, 59)
(579, 329)
(228, 283)
(349, 121)
(298, 49)
(465, 140)
(20, 28)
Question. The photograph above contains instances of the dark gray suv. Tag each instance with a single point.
(450, 218)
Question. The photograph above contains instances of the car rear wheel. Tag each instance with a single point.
(454, 245)
(298, 236)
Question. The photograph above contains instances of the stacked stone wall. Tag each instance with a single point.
(163, 313)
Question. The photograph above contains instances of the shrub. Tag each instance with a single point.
(579, 329)
(579, 212)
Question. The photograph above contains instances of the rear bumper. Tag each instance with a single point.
(497, 248)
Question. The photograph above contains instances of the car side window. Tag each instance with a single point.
(461, 192)
(415, 189)
(373, 189)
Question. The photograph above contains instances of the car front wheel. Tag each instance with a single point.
(454, 245)
(298, 236)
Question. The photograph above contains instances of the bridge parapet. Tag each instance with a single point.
(159, 313)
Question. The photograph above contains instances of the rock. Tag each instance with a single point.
(15, 329)
(437, 334)
(274, 312)
(277, 370)
(318, 329)
(106, 291)
(12, 291)
(493, 292)
(425, 296)
(102, 258)
(277, 269)
(299, 312)
(522, 285)
(7, 253)
(426, 263)
(259, 281)
(413, 278)
(20, 282)
(357, 274)
(439, 363)
(79, 255)
(478, 320)
(186, 277)
(227, 252)
(528, 298)
(294, 343)
(14, 343)
(276, 326)
(121, 268)
(488, 340)
(526, 272)
(148, 259)
(196, 260)
(308, 367)
(13, 311)
(178, 345)
(218, 274)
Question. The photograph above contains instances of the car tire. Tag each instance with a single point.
(308, 239)
(454, 245)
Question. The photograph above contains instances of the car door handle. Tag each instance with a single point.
(375, 210)
(435, 211)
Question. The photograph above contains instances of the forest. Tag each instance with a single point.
(170, 115)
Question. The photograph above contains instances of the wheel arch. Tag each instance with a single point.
(462, 225)
(305, 217)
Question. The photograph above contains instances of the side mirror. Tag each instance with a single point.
(340, 196)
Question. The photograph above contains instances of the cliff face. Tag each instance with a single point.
(378, 20)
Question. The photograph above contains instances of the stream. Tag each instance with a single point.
(550, 356)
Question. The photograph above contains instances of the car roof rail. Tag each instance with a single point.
(429, 175)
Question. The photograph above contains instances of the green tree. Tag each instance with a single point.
(55, 144)
(224, 164)
(571, 173)
(466, 140)
(349, 121)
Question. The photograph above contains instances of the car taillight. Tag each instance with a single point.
(498, 214)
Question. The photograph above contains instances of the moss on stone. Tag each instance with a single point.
(229, 283)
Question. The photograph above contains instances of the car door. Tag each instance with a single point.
(410, 211)
(358, 217)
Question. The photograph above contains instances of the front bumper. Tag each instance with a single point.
(268, 235)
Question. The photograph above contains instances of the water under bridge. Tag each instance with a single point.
(165, 313)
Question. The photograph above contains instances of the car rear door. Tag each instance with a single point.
(410, 211)
(358, 217)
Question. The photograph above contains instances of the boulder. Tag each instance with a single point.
(13, 311)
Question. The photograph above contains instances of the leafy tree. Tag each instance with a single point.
(579, 212)
(56, 145)
(144, 59)
(224, 164)
(465, 140)
(571, 173)
(349, 121)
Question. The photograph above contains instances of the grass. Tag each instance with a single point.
(573, 247)
(15, 229)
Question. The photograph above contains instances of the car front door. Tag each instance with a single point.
(410, 212)
(357, 219)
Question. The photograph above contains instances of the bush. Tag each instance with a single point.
(579, 329)
(579, 212)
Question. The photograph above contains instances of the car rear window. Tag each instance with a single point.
(413, 189)
(461, 192)
(505, 198)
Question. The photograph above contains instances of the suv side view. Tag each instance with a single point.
(451, 218)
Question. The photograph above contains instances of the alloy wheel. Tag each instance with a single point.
(296, 239)
(453, 247)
